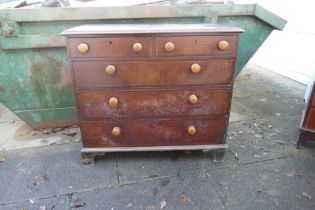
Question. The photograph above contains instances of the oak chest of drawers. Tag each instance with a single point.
(152, 87)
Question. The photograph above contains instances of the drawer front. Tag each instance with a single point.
(152, 132)
(110, 47)
(310, 120)
(196, 45)
(98, 74)
(153, 103)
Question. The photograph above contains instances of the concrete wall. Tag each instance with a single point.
(289, 52)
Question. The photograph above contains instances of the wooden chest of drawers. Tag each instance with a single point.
(152, 87)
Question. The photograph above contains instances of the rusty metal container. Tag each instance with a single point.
(35, 80)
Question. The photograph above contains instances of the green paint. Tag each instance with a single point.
(39, 118)
(35, 79)
(256, 32)
(11, 28)
(32, 41)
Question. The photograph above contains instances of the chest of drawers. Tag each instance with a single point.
(152, 87)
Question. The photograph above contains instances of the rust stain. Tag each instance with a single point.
(49, 74)
(35, 66)
(1, 88)
(57, 124)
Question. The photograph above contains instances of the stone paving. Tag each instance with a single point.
(261, 170)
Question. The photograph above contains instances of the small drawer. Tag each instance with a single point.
(152, 132)
(196, 45)
(153, 103)
(100, 74)
(110, 47)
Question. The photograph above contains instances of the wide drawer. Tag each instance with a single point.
(120, 133)
(98, 74)
(196, 45)
(153, 103)
(110, 47)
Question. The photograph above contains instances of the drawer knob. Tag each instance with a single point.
(110, 69)
(113, 102)
(223, 45)
(193, 99)
(116, 131)
(83, 48)
(191, 130)
(169, 46)
(195, 68)
(137, 47)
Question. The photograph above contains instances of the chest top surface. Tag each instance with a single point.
(150, 28)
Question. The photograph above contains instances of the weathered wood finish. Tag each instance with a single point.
(101, 47)
(167, 96)
(195, 45)
(310, 119)
(92, 74)
(153, 103)
(150, 132)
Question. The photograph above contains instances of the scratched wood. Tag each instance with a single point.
(92, 74)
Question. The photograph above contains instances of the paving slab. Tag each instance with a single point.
(263, 138)
(53, 203)
(275, 184)
(6, 115)
(269, 80)
(143, 165)
(58, 171)
(266, 105)
(18, 135)
(179, 193)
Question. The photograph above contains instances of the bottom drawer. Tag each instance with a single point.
(129, 133)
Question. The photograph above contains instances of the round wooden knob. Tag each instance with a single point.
(191, 130)
(110, 69)
(113, 102)
(169, 46)
(116, 131)
(193, 99)
(223, 45)
(83, 48)
(137, 47)
(195, 68)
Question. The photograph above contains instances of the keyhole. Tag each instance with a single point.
(110, 42)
